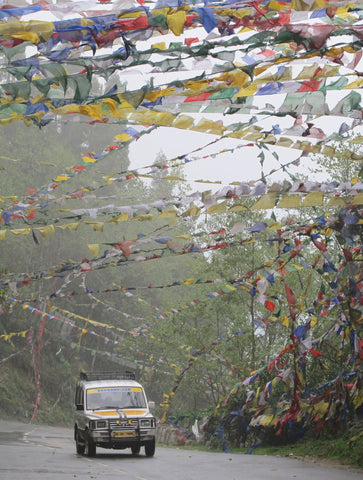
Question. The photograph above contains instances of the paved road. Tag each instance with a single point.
(34, 452)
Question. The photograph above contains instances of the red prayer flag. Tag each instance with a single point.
(316, 353)
(270, 305)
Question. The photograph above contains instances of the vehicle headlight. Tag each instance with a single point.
(95, 424)
(146, 422)
(101, 424)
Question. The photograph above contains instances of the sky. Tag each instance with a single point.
(239, 165)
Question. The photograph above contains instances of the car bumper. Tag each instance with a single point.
(111, 439)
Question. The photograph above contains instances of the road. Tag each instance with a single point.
(35, 452)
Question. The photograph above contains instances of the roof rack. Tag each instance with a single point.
(121, 375)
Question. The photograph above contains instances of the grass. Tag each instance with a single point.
(345, 450)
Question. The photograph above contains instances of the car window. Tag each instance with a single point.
(115, 397)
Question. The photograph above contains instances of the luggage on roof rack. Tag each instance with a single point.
(121, 375)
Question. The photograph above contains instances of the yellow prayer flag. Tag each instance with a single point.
(336, 202)
(328, 151)
(174, 177)
(144, 117)
(289, 201)
(195, 86)
(183, 237)
(168, 214)
(144, 218)
(69, 226)
(28, 37)
(274, 5)
(358, 140)
(254, 136)
(328, 71)
(206, 125)
(313, 199)
(94, 248)
(192, 211)
(123, 217)
(261, 69)
(25, 30)
(247, 91)
(88, 159)
(358, 199)
(159, 45)
(2, 234)
(46, 231)
(354, 85)
(61, 178)
(307, 72)
(97, 226)
(265, 202)
(230, 287)
(285, 321)
(93, 111)
(321, 408)
(297, 267)
(218, 208)
(112, 106)
(21, 231)
(123, 137)
(183, 122)
(240, 78)
(163, 118)
(275, 226)
(173, 222)
(238, 208)
(238, 13)
(285, 142)
(176, 21)
(286, 75)
(267, 420)
(123, 109)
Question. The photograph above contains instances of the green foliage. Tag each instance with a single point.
(196, 354)
(343, 450)
(17, 391)
(339, 167)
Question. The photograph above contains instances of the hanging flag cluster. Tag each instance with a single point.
(274, 76)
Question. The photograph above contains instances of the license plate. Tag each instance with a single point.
(126, 433)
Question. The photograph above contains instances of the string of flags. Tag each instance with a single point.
(279, 69)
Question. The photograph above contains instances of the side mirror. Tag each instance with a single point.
(151, 405)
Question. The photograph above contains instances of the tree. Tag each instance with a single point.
(340, 167)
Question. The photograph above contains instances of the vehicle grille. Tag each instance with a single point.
(124, 424)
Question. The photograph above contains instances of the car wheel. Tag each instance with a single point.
(135, 449)
(80, 446)
(90, 448)
(150, 448)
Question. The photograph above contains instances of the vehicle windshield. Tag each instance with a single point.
(115, 397)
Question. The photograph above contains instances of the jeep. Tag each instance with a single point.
(111, 411)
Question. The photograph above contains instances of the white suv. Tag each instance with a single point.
(112, 412)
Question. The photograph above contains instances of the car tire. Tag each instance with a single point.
(135, 449)
(90, 447)
(150, 448)
(80, 446)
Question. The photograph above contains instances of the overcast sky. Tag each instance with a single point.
(243, 164)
